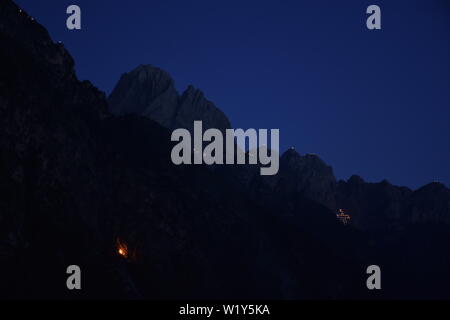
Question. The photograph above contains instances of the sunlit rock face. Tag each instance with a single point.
(150, 91)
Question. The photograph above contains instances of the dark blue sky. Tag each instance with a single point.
(373, 103)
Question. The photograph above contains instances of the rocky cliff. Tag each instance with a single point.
(150, 91)
(77, 181)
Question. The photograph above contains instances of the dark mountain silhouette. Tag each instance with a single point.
(78, 181)
(372, 205)
(150, 91)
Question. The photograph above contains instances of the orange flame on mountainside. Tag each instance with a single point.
(122, 249)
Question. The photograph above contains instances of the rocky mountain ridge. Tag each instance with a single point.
(78, 183)
(150, 91)
(371, 205)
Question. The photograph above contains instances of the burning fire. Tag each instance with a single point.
(122, 249)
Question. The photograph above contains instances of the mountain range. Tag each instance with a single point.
(150, 92)
(82, 174)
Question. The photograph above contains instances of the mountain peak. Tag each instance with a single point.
(195, 106)
(150, 91)
(290, 153)
(146, 72)
(355, 179)
(308, 175)
(434, 187)
(34, 39)
(194, 94)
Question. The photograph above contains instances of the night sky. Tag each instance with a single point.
(373, 103)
